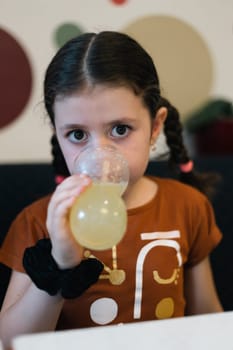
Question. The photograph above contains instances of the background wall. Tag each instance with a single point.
(191, 43)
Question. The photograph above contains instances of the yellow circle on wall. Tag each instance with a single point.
(182, 58)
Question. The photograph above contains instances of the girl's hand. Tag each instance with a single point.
(65, 249)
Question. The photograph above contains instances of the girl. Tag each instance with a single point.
(103, 89)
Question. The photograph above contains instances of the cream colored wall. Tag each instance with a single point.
(34, 22)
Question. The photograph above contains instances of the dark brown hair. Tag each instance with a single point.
(115, 59)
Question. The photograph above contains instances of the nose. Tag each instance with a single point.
(101, 141)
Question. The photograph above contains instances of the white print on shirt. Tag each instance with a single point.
(105, 310)
(159, 239)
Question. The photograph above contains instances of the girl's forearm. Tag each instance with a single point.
(36, 311)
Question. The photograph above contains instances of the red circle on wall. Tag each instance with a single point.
(119, 2)
(15, 78)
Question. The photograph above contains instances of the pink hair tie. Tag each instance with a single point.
(59, 179)
(186, 167)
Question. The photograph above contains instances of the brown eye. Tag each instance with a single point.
(77, 136)
(120, 130)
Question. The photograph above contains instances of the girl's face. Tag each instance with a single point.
(107, 116)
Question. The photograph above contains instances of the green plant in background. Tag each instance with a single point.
(213, 110)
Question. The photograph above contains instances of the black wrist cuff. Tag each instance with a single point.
(46, 275)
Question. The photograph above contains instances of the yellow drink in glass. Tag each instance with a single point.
(98, 218)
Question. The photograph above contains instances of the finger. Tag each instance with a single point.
(72, 189)
(57, 215)
(73, 181)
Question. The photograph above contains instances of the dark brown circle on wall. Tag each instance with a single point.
(15, 78)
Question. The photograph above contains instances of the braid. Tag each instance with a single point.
(58, 162)
(204, 182)
(173, 131)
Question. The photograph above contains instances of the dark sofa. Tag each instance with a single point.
(21, 184)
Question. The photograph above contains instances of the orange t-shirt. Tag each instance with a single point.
(143, 275)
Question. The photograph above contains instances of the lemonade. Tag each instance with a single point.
(98, 218)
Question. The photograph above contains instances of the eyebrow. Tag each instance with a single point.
(72, 126)
(112, 122)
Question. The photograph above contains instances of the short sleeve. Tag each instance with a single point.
(28, 227)
(205, 232)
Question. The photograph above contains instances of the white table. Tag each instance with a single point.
(207, 332)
